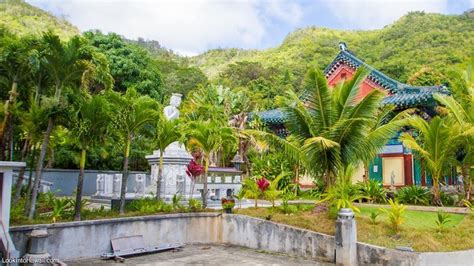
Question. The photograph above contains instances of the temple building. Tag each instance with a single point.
(395, 165)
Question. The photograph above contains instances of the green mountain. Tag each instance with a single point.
(400, 50)
(22, 18)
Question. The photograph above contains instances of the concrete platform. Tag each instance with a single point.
(207, 255)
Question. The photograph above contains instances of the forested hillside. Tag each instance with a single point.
(21, 18)
(400, 50)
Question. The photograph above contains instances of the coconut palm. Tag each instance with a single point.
(436, 144)
(166, 132)
(208, 137)
(71, 65)
(132, 113)
(461, 107)
(330, 127)
(89, 127)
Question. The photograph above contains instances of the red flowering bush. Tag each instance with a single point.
(194, 169)
(263, 184)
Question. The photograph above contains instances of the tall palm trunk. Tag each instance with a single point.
(160, 176)
(39, 167)
(80, 182)
(204, 188)
(436, 194)
(123, 188)
(6, 120)
(21, 174)
(30, 181)
(467, 180)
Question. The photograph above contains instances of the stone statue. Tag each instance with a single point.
(100, 185)
(139, 184)
(171, 111)
(117, 186)
(392, 181)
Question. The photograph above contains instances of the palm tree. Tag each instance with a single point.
(461, 107)
(68, 65)
(132, 113)
(208, 137)
(436, 144)
(331, 128)
(16, 55)
(166, 132)
(89, 127)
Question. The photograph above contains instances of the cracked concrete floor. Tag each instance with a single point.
(208, 255)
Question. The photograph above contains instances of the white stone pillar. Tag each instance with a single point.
(346, 238)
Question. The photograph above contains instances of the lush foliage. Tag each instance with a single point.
(395, 214)
(341, 196)
(442, 221)
(414, 195)
(331, 129)
(372, 190)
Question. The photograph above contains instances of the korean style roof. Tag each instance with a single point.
(400, 94)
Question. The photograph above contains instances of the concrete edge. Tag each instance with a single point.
(280, 224)
(213, 215)
(114, 220)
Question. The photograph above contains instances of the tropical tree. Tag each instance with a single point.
(166, 132)
(70, 66)
(16, 56)
(436, 143)
(330, 128)
(208, 137)
(132, 113)
(89, 127)
(461, 107)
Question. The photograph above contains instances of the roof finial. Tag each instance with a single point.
(342, 46)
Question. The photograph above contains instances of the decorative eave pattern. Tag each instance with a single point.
(415, 96)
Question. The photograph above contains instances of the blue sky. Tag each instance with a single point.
(190, 27)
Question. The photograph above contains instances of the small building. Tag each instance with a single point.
(395, 161)
(222, 182)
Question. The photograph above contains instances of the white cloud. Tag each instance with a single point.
(188, 27)
(372, 14)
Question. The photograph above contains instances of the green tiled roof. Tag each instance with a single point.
(400, 94)
(414, 96)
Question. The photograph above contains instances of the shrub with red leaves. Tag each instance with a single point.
(263, 184)
(194, 169)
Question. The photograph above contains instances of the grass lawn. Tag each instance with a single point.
(416, 219)
(418, 231)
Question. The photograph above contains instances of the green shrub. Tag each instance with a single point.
(442, 221)
(414, 195)
(175, 201)
(194, 205)
(373, 191)
(59, 208)
(373, 217)
(287, 208)
(395, 214)
(342, 196)
(449, 200)
(148, 205)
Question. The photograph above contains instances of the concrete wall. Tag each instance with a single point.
(65, 180)
(74, 240)
(264, 235)
(87, 239)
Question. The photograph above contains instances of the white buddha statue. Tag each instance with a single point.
(171, 111)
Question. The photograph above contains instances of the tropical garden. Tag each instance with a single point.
(95, 101)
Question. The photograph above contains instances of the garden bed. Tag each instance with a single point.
(418, 231)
